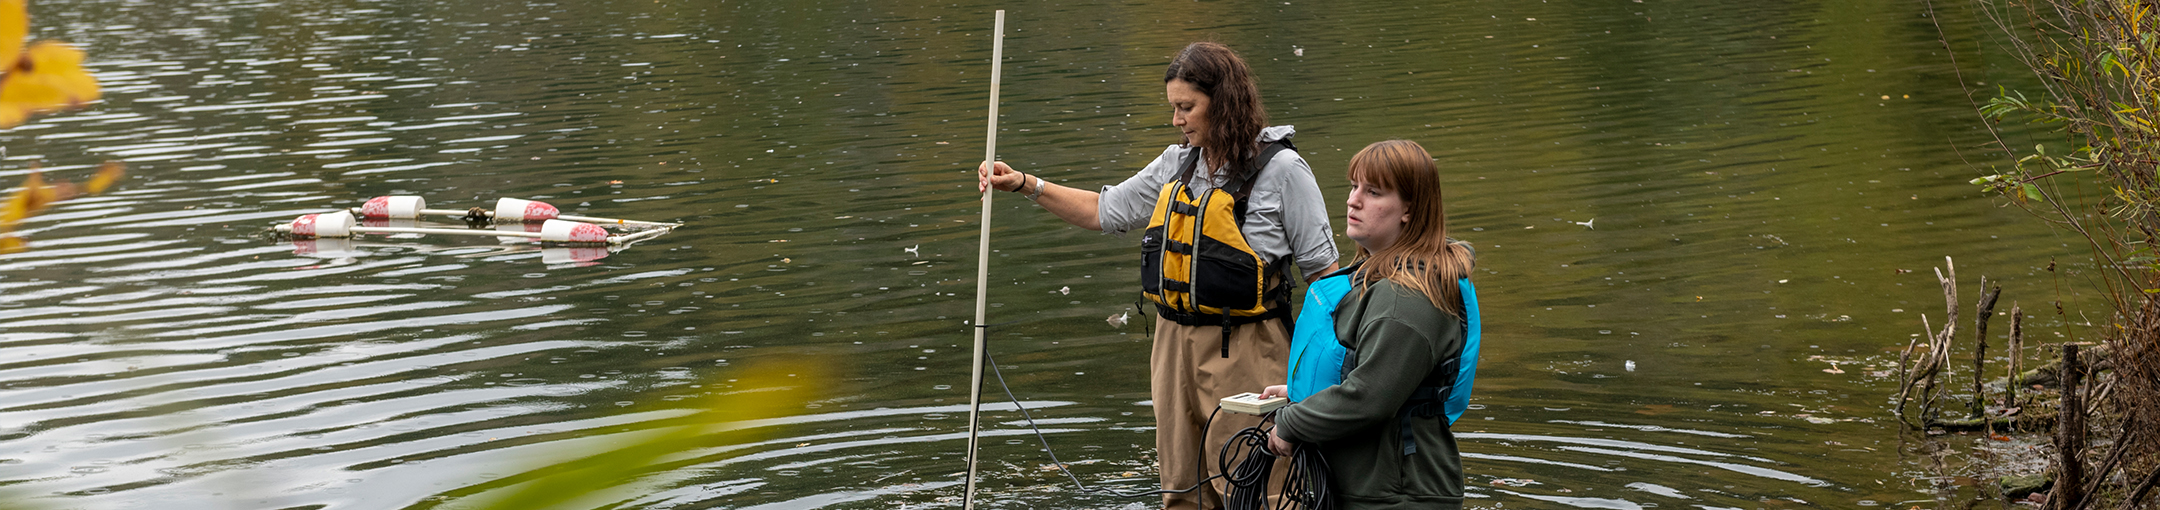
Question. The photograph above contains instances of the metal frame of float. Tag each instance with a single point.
(408, 207)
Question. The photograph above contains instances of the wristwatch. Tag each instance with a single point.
(1038, 189)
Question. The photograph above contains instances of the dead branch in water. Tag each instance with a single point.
(2122, 441)
(2017, 360)
(1926, 372)
(1981, 313)
(2070, 437)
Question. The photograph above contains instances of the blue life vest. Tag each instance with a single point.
(1316, 356)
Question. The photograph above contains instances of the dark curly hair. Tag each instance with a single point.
(1235, 115)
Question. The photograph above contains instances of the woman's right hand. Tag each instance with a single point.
(996, 175)
(1276, 444)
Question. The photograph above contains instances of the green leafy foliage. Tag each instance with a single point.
(735, 417)
(2098, 65)
(745, 408)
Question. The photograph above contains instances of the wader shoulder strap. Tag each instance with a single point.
(1240, 185)
(1186, 167)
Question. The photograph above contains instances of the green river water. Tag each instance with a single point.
(1760, 174)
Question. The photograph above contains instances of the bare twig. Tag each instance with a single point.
(2122, 444)
(2070, 436)
(1939, 343)
(1911, 373)
(1960, 73)
(1981, 313)
(2142, 488)
(2017, 357)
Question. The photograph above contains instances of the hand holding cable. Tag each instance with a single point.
(1276, 444)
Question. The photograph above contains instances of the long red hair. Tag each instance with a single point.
(1423, 258)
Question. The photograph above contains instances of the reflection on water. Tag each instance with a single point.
(1685, 214)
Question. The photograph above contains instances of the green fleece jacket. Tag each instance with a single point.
(1399, 341)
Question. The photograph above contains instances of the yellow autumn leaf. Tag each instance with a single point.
(14, 26)
(26, 201)
(109, 173)
(46, 76)
(49, 76)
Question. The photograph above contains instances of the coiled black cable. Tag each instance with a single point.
(1304, 485)
(1248, 480)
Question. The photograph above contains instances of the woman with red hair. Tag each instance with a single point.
(1384, 429)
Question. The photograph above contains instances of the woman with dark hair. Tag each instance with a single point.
(1231, 218)
(1384, 429)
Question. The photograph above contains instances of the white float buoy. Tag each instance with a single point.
(402, 207)
(337, 224)
(392, 207)
(559, 231)
(511, 209)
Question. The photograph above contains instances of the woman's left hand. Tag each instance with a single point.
(1276, 444)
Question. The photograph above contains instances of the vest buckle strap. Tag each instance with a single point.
(1183, 208)
(1176, 246)
(1425, 402)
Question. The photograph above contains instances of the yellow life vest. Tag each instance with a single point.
(1195, 262)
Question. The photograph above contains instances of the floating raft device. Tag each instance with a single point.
(328, 247)
(506, 209)
(342, 224)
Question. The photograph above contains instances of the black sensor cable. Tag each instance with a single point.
(1304, 485)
